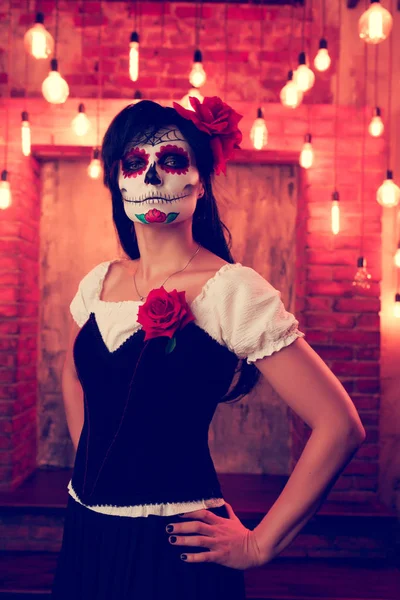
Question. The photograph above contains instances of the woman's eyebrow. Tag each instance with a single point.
(136, 153)
(172, 149)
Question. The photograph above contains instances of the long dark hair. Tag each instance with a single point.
(142, 120)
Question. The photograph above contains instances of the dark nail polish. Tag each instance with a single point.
(183, 557)
(173, 539)
(170, 528)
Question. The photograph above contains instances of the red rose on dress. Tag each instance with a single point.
(155, 216)
(220, 121)
(163, 314)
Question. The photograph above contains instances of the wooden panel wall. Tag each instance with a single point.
(258, 204)
(77, 233)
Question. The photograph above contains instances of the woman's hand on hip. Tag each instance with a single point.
(229, 542)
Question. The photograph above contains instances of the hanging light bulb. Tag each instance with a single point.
(185, 102)
(80, 123)
(303, 76)
(37, 40)
(396, 307)
(291, 96)
(307, 153)
(197, 76)
(397, 257)
(259, 131)
(54, 88)
(134, 56)
(362, 277)
(322, 61)
(375, 24)
(25, 134)
(95, 168)
(388, 193)
(376, 126)
(335, 213)
(5, 191)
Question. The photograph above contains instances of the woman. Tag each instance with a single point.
(157, 341)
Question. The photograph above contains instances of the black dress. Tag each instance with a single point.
(143, 453)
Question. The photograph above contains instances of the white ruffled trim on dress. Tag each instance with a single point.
(288, 339)
(117, 320)
(144, 510)
(237, 307)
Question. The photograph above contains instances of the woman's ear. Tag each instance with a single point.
(201, 191)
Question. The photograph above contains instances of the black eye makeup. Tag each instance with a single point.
(134, 162)
(173, 159)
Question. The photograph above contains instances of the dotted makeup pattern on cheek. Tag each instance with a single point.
(136, 158)
(181, 157)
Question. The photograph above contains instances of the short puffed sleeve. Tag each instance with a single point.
(87, 293)
(253, 321)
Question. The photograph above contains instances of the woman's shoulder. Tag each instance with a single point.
(242, 310)
(231, 277)
(87, 291)
(92, 279)
(225, 285)
(96, 272)
(210, 263)
(204, 276)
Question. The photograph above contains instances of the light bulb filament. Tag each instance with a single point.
(375, 25)
(376, 126)
(26, 138)
(134, 61)
(197, 75)
(388, 193)
(307, 156)
(39, 44)
(335, 217)
(322, 61)
(259, 133)
(94, 169)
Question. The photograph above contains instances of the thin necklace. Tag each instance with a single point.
(134, 276)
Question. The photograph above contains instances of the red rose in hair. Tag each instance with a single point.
(163, 314)
(220, 121)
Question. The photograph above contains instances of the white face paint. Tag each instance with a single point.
(159, 181)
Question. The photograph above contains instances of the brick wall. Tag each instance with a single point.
(343, 326)
(19, 300)
(165, 37)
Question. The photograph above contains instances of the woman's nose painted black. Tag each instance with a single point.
(152, 175)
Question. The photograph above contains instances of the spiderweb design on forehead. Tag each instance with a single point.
(160, 137)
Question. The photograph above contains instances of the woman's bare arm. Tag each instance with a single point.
(72, 390)
(312, 391)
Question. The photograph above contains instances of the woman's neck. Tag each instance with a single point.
(163, 253)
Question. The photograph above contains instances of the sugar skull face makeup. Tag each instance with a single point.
(158, 178)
